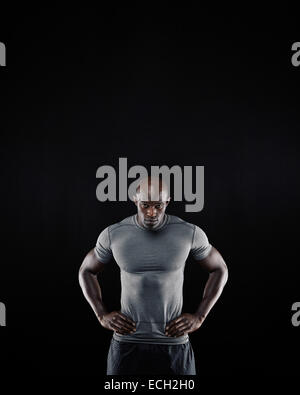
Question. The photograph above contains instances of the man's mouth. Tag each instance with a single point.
(151, 221)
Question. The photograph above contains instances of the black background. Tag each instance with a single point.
(160, 87)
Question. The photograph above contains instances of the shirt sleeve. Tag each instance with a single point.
(200, 245)
(102, 249)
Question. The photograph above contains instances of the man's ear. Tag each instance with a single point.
(135, 200)
(168, 201)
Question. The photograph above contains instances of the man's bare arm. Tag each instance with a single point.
(88, 281)
(218, 274)
(215, 265)
(90, 286)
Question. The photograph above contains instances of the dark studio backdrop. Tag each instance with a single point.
(176, 87)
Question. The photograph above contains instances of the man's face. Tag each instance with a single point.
(151, 214)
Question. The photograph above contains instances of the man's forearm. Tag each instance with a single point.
(212, 291)
(92, 292)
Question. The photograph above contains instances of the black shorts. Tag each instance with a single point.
(125, 358)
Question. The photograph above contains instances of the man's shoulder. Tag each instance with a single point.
(128, 221)
(174, 220)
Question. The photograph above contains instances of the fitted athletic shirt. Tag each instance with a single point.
(151, 263)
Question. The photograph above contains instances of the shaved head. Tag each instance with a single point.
(152, 189)
(151, 199)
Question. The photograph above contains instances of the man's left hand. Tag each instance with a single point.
(185, 323)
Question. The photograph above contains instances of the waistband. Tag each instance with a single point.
(150, 332)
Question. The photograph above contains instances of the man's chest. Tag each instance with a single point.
(141, 252)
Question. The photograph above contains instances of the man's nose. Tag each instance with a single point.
(151, 212)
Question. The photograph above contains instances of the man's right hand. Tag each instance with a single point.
(118, 322)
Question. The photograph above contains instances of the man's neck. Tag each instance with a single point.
(154, 227)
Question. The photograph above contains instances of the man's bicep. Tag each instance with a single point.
(201, 246)
(92, 264)
(213, 261)
(102, 249)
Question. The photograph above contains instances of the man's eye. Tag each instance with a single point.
(158, 206)
(144, 205)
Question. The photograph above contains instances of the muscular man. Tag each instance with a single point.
(151, 247)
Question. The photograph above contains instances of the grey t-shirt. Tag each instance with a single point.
(151, 266)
